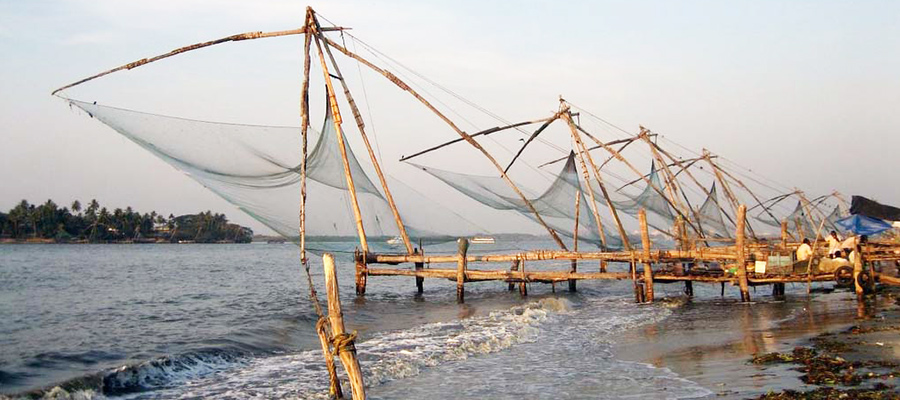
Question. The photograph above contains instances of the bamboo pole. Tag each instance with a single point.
(531, 139)
(344, 346)
(747, 189)
(809, 263)
(362, 272)
(513, 268)
(463, 247)
(574, 268)
(348, 175)
(625, 161)
(784, 234)
(729, 194)
(741, 260)
(648, 270)
(334, 384)
(304, 130)
(321, 326)
(685, 165)
(362, 132)
(704, 254)
(586, 175)
(612, 208)
(857, 269)
(523, 284)
(196, 46)
(403, 86)
(671, 182)
(476, 134)
(626, 142)
(420, 282)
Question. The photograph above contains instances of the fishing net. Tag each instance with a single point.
(556, 204)
(710, 216)
(257, 168)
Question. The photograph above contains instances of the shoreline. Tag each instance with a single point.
(713, 342)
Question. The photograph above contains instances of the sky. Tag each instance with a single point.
(804, 92)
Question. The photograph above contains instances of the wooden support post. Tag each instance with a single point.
(857, 269)
(722, 290)
(334, 387)
(362, 273)
(420, 281)
(348, 175)
(590, 160)
(784, 234)
(463, 247)
(343, 342)
(741, 256)
(465, 136)
(648, 270)
(513, 268)
(778, 289)
(689, 288)
(362, 132)
(575, 241)
(523, 285)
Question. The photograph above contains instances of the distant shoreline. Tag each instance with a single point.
(52, 241)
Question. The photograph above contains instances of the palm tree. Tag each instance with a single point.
(76, 207)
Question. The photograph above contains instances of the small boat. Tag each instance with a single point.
(395, 241)
(482, 240)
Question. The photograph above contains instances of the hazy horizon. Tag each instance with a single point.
(805, 93)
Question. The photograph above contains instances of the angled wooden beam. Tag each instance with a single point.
(476, 134)
(337, 121)
(362, 132)
(465, 136)
(196, 46)
(614, 142)
(530, 139)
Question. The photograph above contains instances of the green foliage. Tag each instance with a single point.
(98, 225)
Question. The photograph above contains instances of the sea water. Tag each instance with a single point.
(235, 321)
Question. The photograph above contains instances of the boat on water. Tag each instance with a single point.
(395, 241)
(482, 240)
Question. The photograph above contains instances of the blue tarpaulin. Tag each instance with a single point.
(863, 225)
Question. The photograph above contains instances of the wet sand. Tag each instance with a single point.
(712, 341)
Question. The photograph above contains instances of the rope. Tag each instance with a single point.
(343, 342)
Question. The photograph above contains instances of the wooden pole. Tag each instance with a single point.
(741, 257)
(857, 269)
(476, 134)
(465, 136)
(304, 130)
(625, 161)
(343, 343)
(574, 268)
(362, 273)
(523, 287)
(334, 386)
(420, 281)
(348, 175)
(685, 166)
(362, 132)
(321, 326)
(513, 268)
(724, 184)
(784, 234)
(648, 270)
(232, 38)
(612, 208)
(593, 202)
(463, 248)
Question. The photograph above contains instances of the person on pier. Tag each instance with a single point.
(834, 244)
(804, 251)
(852, 242)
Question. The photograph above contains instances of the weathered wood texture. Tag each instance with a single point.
(346, 350)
